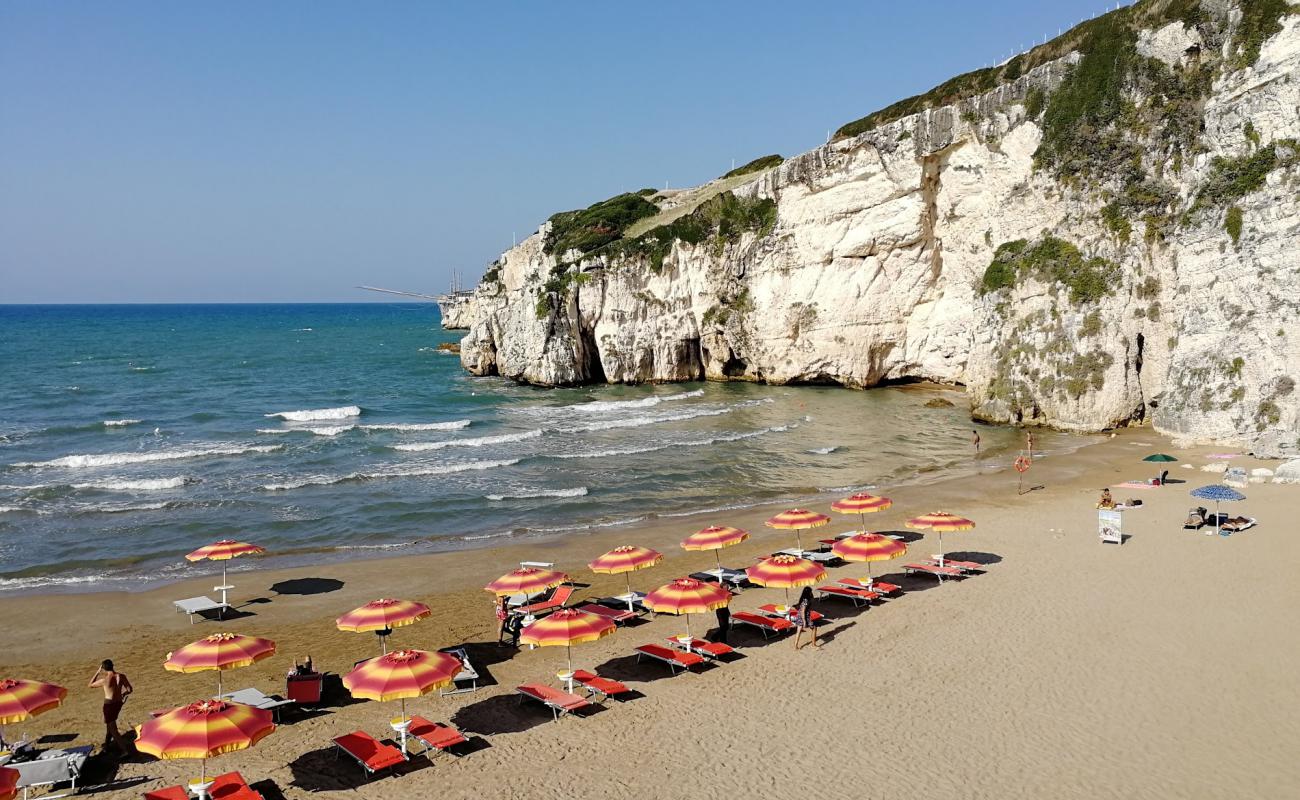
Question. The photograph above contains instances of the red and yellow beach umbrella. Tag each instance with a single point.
(223, 551)
(381, 616)
(624, 561)
(797, 519)
(20, 700)
(402, 674)
(220, 652)
(868, 547)
(861, 504)
(785, 572)
(940, 522)
(566, 627)
(8, 783)
(687, 596)
(204, 730)
(715, 537)
(526, 580)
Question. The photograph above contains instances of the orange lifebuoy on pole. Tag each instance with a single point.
(1022, 464)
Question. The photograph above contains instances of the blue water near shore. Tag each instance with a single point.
(131, 434)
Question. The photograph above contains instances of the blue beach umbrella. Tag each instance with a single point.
(1218, 493)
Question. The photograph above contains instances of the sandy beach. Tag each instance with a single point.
(1163, 668)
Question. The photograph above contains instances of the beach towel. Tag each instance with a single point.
(1222, 456)
(1134, 485)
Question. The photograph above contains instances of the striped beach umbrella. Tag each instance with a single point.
(9, 783)
(402, 674)
(940, 522)
(381, 616)
(566, 627)
(20, 700)
(715, 537)
(868, 547)
(861, 504)
(687, 596)
(785, 572)
(204, 730)
(223, 551)
(526, 580)
(624, 561)
(1218, 493)
(797, 519)
(220, 652)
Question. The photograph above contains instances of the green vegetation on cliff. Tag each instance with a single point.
(597, 225)
(766, 162)
(721, 219)
(1053, 260)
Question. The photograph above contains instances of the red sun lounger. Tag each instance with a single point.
(555, 602)
(434, 735)
(879, 587)
(964, 566)
(230, 786)
(372, 754)
(935, 570)
(559, 702)
(860, 597)
(770, 610)
(618, 616)
(767, 625)
(673, 658)
(593, 683)
(713, 650)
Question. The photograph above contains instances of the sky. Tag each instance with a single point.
(288, 151)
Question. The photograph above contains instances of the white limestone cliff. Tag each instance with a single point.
(872, 273)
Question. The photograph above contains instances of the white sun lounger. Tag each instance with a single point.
(730, 577)
(53, 767)
(816, 556)
(195, 606)
(256, 699)
(467, 672)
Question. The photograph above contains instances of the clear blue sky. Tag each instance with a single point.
(285, 151)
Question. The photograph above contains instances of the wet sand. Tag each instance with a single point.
(1163, 668)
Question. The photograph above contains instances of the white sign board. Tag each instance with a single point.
(1110, 526)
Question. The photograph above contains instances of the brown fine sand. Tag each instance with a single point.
(1163, 668)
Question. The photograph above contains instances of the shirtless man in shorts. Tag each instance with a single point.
(116, 688)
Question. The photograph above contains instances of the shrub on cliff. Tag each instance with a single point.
(597, 225)
(1052, 260)
(766, 162)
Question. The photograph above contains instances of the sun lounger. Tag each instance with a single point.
(555, 602)
(1238, 524)
(230, 786)
(816, 556)
(964, 566)
(1195, 519)
(772, 610)
(618, 616)
(467, 672)
(675, 659)
(766, 625)
(304, 688)
(433, 735)
(255, 698)
(733, 578)
(594, 684)
(559, 702)
(860, 597)
(197, 606)
(937, 571)
(879, 587)
(712, 650)
(372, 754)
(52, 766)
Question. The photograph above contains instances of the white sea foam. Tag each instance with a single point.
(638, 422)
(580, 491)
(632, 451)
(330, 430)
(120, 423)
(481, 441)
(589, 526)
(823, 451)
(404, 427)
(313, 414)
(121, 508)
(114, 459)
(605, 406)
(275, 430)
(145, 485)
(409, 472)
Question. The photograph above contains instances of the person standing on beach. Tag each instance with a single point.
(1029, 442)
(975, 440)
(117, 687)
(502, 617)
(803, 617)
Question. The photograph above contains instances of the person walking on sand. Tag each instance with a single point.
(803, 617)
(975, 440)
(502, 617)
(117, 687)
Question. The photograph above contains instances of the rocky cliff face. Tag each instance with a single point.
(1105, 235)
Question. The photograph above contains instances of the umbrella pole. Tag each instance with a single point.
(688, 628)
(941, 548)
(629, 601)
(798, 539)
(223, 583)
(402, 725)
(717, 554)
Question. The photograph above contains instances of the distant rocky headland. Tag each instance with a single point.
(1101, 231)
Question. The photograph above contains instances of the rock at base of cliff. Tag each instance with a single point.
(449, 347)
(938, 402)
(1288, 472)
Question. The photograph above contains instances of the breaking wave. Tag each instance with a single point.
(481, 441)
(580, 491)
(823, 451)
(313, 414)
(120, 423)
(604, 406)
(145, 485)
(632, 451)
(412, 472)
(416, 426)
(114, 459)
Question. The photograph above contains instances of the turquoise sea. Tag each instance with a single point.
(130, 435)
